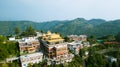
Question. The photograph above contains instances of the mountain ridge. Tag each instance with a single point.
(98, 27)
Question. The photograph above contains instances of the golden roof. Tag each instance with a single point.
(48, 33)
(52, 37)
(55, 40)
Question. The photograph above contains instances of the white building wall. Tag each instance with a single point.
(31, 58)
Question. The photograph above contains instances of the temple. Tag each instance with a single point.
(55, 47)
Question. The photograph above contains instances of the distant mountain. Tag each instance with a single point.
(96, 21)
(98, 27)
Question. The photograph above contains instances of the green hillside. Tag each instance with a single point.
(98, 27)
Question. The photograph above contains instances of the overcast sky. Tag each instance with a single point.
(47, 10)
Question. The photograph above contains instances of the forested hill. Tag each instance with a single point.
(98, 27)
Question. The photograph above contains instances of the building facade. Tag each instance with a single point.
(77, 38)
(75, 47)
(54, 47)
(31, 59)
(29, 45)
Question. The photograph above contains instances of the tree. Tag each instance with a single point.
(30, 65)
(30, 31)
(114, 64)
(92, 39)
(44, 63)
(36, 65)
(3, 53)
(97, 60)
(76, 62)
(8, 49)
(4, 65)
(67, 39)
(3, 39)
(13, 64)
(42, 31)
(109, 65)
(23, 34)
(110, 37)
(17, 30)
(91, 51)
(118, 37)
(82, 52)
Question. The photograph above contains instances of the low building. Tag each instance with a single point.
(38, 34)
(82, 38)
(111, 59)
(29, 45)
(77, 38)
(12, 39)
(86, 53)
(73, 37)
(12, 59)
(86, 44)
(57, 50)
(63, 59)
(74, 47)
(107, 43)
(31, 59)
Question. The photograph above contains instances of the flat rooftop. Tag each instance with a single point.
(74, 43)
(31, 55)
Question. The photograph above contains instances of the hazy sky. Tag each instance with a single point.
(47, 10)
